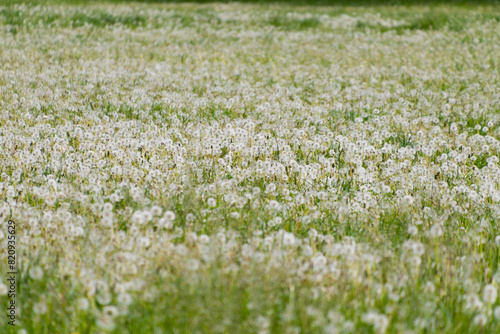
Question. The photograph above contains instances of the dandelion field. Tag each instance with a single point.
(250, 168)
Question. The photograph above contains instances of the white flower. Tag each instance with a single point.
(105, 323)
(170, 216)
(436, 231)
(83, 303)
(110, 311)
(36, 273)
(3, 289)
(379, 321)
(124, 299)
(490, 294)
(147, 216)
(40, 308)
(116, 170)
(192, 264)
(143, 242)
(138, 218)
(496, 313)
(156, 210)
(212, 202)
(480, 320)
(306, 220)
(104, 298)
(270, 188)
(407, 200)
(288, 239)
(497, 240)
(273, 204)
(412, 230)
(204, 239)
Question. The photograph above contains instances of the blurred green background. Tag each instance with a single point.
(278, 2)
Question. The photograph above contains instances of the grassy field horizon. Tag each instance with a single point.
(306, 3)
(249, 167)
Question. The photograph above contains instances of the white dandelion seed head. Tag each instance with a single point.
(212, 202)
(36, 273)
(490, 294)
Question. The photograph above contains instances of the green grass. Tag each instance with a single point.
(306, 150)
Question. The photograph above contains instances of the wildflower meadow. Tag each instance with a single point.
(249, 167)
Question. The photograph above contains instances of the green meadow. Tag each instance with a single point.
(249, 167)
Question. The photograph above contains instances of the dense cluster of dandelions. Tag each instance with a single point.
(356, 166)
